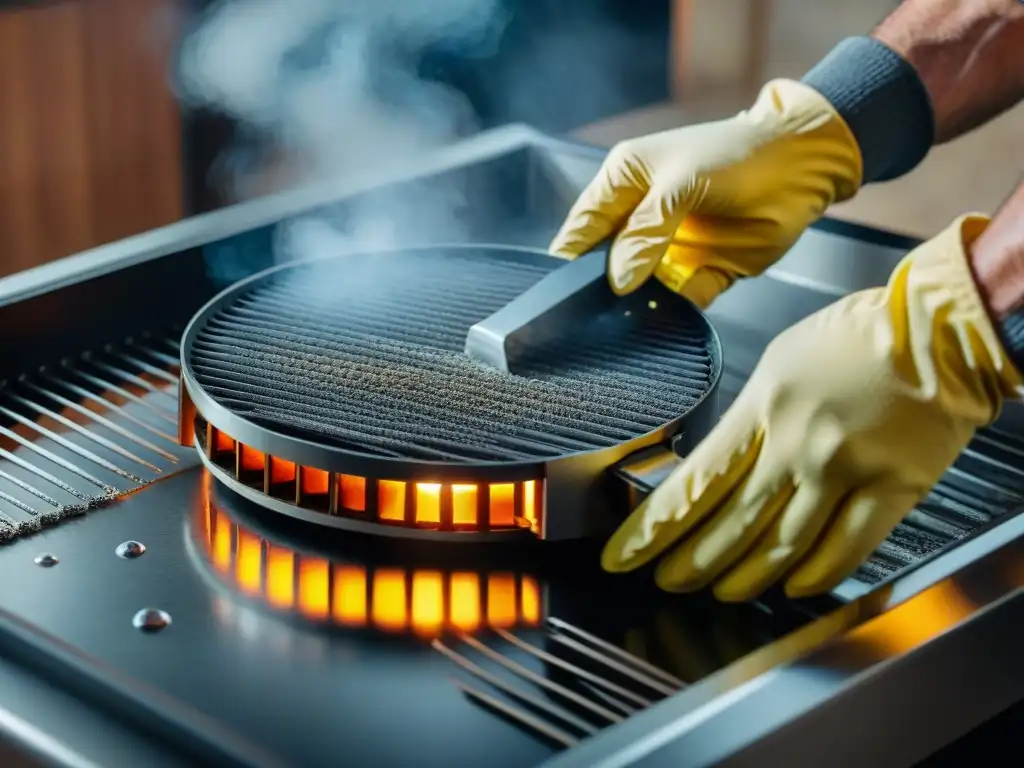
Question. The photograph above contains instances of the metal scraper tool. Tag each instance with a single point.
(562, 300)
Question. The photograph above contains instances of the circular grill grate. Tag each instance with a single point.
(365, 353)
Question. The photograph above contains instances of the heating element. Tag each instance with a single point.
(337, 390)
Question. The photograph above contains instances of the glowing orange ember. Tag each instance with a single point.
(222, 442)
(248, 565)
(428, 502)
(352, 493)
(249, 459)
(427, 602)
(315, 482)
(281, 471)
(350, 595)
(464, 505)
(503, 507)
(387, 602)
(280, 576)
(314, 587)
(507, 505)
(391, 500)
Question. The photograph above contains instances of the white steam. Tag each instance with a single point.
(333, 85)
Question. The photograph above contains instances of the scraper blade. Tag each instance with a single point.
(560, 302)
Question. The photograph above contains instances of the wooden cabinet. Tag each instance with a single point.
(90, 133)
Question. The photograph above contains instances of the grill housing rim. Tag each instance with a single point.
(573, 479)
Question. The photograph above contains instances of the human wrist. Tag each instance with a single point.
(868, 84)
(969, 57)
(996, 259)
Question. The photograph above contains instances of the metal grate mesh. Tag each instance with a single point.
(367, 353)
(78, 435)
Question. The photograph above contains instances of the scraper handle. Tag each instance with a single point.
(565, 298)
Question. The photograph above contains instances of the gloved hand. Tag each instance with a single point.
(849, 419)
(704, 205)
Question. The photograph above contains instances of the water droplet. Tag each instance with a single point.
(46, 560)
(652, 304)
(151, 620)
(130, 549)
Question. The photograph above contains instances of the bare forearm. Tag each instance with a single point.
(997, 259)
(969, 55)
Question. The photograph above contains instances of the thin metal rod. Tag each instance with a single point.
(43, 474)
(517, 693)
(157, 409)
(127, 376)
(85, 393)
(101, 419)
(622, 669)
(540, 681)
(9, 522)
(651, 670)
(175, 345)
(156, 354)
(522, 717)
(110, 445)
(14, 502)
(152, 370)
(49, 455)
(85, 453)
(583, 674)
(607, 698)
(29, 489)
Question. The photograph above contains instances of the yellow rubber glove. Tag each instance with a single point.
(849, 419)
(704, 205)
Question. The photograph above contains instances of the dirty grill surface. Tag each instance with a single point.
(366, 353)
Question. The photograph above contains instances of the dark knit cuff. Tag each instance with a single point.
(1012, 331)
(881, 97)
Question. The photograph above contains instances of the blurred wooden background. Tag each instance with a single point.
(90, 134)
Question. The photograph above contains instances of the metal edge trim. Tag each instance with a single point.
(39, 743)
(216, 225)
(205, 228)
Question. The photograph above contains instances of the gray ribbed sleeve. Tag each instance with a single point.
(882, 99)
(1012, 331)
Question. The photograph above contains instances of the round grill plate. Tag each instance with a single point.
(365, 353)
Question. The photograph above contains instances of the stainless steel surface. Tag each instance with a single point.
(549, 310)
(571, 701)
(257, 668)
(885, 680)
(291, 648)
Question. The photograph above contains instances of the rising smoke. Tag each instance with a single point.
(333, 86)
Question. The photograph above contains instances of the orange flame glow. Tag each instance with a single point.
(455, 506)
(426, 602)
